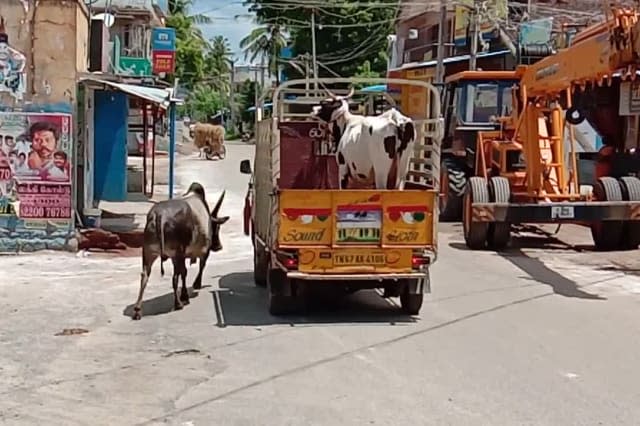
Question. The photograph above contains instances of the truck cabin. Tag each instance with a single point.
(472, 101)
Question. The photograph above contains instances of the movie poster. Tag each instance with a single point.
(35, 166)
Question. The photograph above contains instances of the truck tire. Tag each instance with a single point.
(453, 181)
(475, 233)
(278, 303)
(607, 234)
(260, 264)
(499, 232)
(630, 192)
(411, 303)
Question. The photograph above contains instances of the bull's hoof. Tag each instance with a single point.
(184, 298)
(177, 306)
(136, 316)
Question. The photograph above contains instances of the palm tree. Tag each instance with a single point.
(219, 63)
(265, 42)
(182, 7)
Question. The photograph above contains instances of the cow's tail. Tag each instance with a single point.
(160, 230)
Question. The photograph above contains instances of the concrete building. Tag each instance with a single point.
(126, 41)
(43, 49)
(416, 38)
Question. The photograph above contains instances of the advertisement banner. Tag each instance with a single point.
(163, 61)
(35, 165)
(496, 11)
(535, 32)
(163, 39)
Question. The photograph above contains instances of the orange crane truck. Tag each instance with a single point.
(522, 172)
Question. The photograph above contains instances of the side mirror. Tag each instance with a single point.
(245, 167)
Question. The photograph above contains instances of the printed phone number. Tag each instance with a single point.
(5, 174)
(38, 212)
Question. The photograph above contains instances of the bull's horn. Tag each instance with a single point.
(216, 209)
(351, 92)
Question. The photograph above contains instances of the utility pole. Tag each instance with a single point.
(313, 50)
(475, 33)
(255, 100)
(441, 31)
(232, 94)
(305, 58)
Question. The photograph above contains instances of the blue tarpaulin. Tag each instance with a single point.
(378, 88)
(266, 106)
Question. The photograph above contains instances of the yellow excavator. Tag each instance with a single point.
(524, 173)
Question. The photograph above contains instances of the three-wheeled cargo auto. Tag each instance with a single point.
(305, 229)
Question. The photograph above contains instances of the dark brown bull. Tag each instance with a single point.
(180, 229)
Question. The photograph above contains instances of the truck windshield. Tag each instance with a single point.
(477, 102)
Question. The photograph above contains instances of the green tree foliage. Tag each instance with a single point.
(265, 43)
(190, 43)
(365, 71)
(218, 64)
(346, 37)
(205, 102)
(246, 99)
(202, 66)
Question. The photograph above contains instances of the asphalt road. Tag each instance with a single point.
(544, 334)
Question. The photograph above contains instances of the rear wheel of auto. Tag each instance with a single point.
(411, 303)
(278, 303)
(260, 264)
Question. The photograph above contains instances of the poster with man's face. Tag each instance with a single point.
(35, 166)
(38, 147)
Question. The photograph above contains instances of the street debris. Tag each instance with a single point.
(71, 332)
(182, 352)
(94, 238)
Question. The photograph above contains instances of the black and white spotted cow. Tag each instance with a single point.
(380, 144)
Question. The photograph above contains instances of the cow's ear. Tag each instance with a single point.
(220, 220)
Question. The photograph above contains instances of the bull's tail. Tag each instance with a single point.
(160, 230)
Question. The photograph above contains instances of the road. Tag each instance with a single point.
(546, 335)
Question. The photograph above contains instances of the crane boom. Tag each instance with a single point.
(595, 54)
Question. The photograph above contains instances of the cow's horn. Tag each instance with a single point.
(216, 209)
(351, 92)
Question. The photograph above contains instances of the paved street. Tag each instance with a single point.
(545, 335)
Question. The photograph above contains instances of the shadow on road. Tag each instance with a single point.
(538, 271)
(246, 304)
(158, 305)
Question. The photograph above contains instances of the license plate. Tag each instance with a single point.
(562, 212)
(359, 259)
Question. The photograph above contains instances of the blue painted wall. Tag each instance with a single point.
(110, 141)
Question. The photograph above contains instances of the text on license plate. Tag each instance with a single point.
(366, 259)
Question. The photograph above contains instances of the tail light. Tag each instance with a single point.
(288, 260)
(418, 261)
(291, 263)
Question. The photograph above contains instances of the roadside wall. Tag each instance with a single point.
(43, 46)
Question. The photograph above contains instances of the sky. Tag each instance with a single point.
(223, 12)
